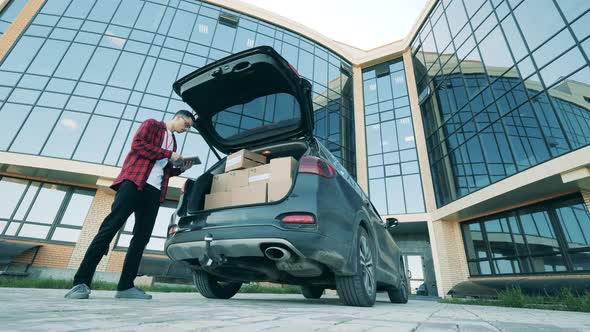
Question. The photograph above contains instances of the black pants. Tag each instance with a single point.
(128, 199)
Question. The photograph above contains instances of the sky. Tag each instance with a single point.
(363, 24)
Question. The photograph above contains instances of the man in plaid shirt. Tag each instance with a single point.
(141, 187)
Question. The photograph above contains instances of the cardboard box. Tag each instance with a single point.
(218, 200)
(249, 195)
(283, 169)
(259, 175)
(243, 159)
(227, 181)
(278, 189)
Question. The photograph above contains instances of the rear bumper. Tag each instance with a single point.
(250, 241)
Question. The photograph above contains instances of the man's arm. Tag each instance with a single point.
(144, 147)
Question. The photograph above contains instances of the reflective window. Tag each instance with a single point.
(86, 69)
(548, 237)
(510, 97)
(395, 186)
(9, 13)
(43, 211)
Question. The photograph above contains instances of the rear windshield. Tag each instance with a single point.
(267, 114)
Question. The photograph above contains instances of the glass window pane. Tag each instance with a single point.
(11, 190)
(21, 55)
(156, 244)
(413, 193)
(528, 16)
(12, 228)
(78, 208)
(26, 202)
(66, 234)
(12, 117)
(182, 25)
(32, 136)
(34, 231)
(548, 264)
(203, 30)
(48, 57)
(65, 135)
(377, 195)
(150, 17)
(74, 61)
(573, 8)
(499, 238)
(163, 76)
(47, 203)
(103, 10)
(539, 232)
(581, 261)
(96, 139)
(100, 66)
(575, 222)
(127, 12)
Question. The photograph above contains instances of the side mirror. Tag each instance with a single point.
(391, 222)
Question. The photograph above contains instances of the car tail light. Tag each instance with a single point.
(172, 230)
(315, 165)
(299, 219)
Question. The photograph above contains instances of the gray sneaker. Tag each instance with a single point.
(80, 291)
(133, 293)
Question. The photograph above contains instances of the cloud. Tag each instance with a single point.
(69, 123)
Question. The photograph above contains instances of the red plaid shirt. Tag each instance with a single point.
(145, 150)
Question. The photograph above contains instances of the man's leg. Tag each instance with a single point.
(145, 218)
(123, 206)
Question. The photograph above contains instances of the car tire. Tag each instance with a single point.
(311, 292)
(360, 290)
(400, 293)
(211, 288)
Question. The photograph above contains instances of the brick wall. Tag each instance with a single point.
(50, 255)
(100, 208)
(450, 253)
(18, 26)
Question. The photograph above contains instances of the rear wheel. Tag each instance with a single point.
(360, 289)
(400, 294)
(210, 287)
(311, 292)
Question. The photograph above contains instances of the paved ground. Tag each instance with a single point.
(46, 310)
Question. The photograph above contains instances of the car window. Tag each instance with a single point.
(264, 114)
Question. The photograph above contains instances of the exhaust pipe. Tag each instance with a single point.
(277, 254)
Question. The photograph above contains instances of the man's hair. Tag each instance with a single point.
(186, 114)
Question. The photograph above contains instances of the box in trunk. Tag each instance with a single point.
(243, 159)
(249, 195)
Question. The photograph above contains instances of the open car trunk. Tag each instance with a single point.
(193, 200)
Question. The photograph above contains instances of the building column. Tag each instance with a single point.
(448, 254)
(586, 194)
(100, 208)
(362, 176)
(18, 25)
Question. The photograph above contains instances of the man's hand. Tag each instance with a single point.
(186, 165)
(175, 156)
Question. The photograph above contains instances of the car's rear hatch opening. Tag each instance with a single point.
(195, 192)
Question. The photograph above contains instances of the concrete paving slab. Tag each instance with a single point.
(47, 310)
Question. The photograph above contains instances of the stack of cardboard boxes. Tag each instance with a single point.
(248, 179)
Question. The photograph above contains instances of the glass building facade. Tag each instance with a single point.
(395, 186)
(549, 237)
(85, 74)
(499, 91)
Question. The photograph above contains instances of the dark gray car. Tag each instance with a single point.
(324, 234)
